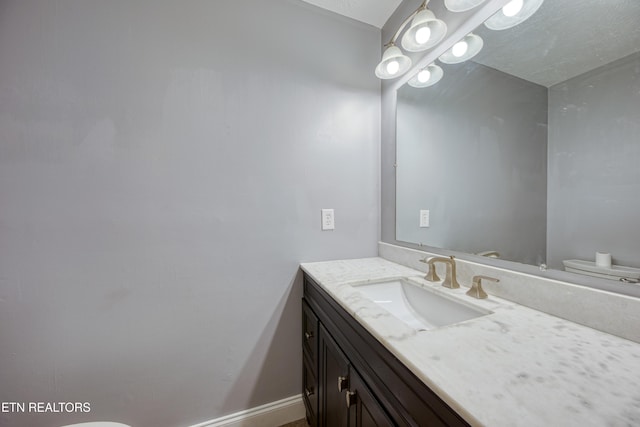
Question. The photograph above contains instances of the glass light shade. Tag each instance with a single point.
(513, 7)
(424, 22)
(433, 72)
(462, 5)
(460, 48)
(394, 63)
(474, 45)
(500, 21)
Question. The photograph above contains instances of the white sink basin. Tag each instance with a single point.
(420, 308)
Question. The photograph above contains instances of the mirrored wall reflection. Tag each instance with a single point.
(473, 152)
(530, 150)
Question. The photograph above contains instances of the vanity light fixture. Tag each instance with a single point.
(425, 32)
(512, 14)
(426, 77)
(465, 49)
(462, 5)
(394, 63)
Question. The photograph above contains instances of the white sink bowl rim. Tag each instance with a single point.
(420, 308)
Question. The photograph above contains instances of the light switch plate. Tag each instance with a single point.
(424, 218)
(328, 220)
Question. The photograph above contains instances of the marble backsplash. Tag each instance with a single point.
(605, 311)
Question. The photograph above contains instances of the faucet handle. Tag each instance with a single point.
(476, 290)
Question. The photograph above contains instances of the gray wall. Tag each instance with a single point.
(594, 158)
(162, 169)
(473, 150)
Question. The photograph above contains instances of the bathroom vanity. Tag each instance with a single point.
(349, 378)
(508, 366)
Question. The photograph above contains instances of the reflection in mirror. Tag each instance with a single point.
(531, 150)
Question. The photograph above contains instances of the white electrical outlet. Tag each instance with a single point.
(328, 220)
(424, 218)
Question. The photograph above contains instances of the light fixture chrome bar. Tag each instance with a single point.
(454, 34)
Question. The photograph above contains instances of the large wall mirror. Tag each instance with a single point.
(530, 151)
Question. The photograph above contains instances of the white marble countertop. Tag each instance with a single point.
(514, 367)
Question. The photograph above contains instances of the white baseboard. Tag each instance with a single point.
(272, 414)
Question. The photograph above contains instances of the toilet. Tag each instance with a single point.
(97, 424)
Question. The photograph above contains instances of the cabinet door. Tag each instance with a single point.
(334, 383)
(310, 363)
(310, 336)
(310, 394)
(364, 408)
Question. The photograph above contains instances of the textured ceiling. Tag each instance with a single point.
(565, 38)
(373, 12)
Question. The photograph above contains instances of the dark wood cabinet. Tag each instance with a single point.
(365, 410)
(334, 374)
(351, 380)
(310, 385)
(346, 399)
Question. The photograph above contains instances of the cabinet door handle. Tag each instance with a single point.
(309, 391)
(343, 383)
(351, 398)
(308, 335)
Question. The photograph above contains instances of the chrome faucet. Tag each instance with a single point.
(476, 290)
(450, 280)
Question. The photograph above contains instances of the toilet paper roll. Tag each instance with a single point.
(603, 260)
